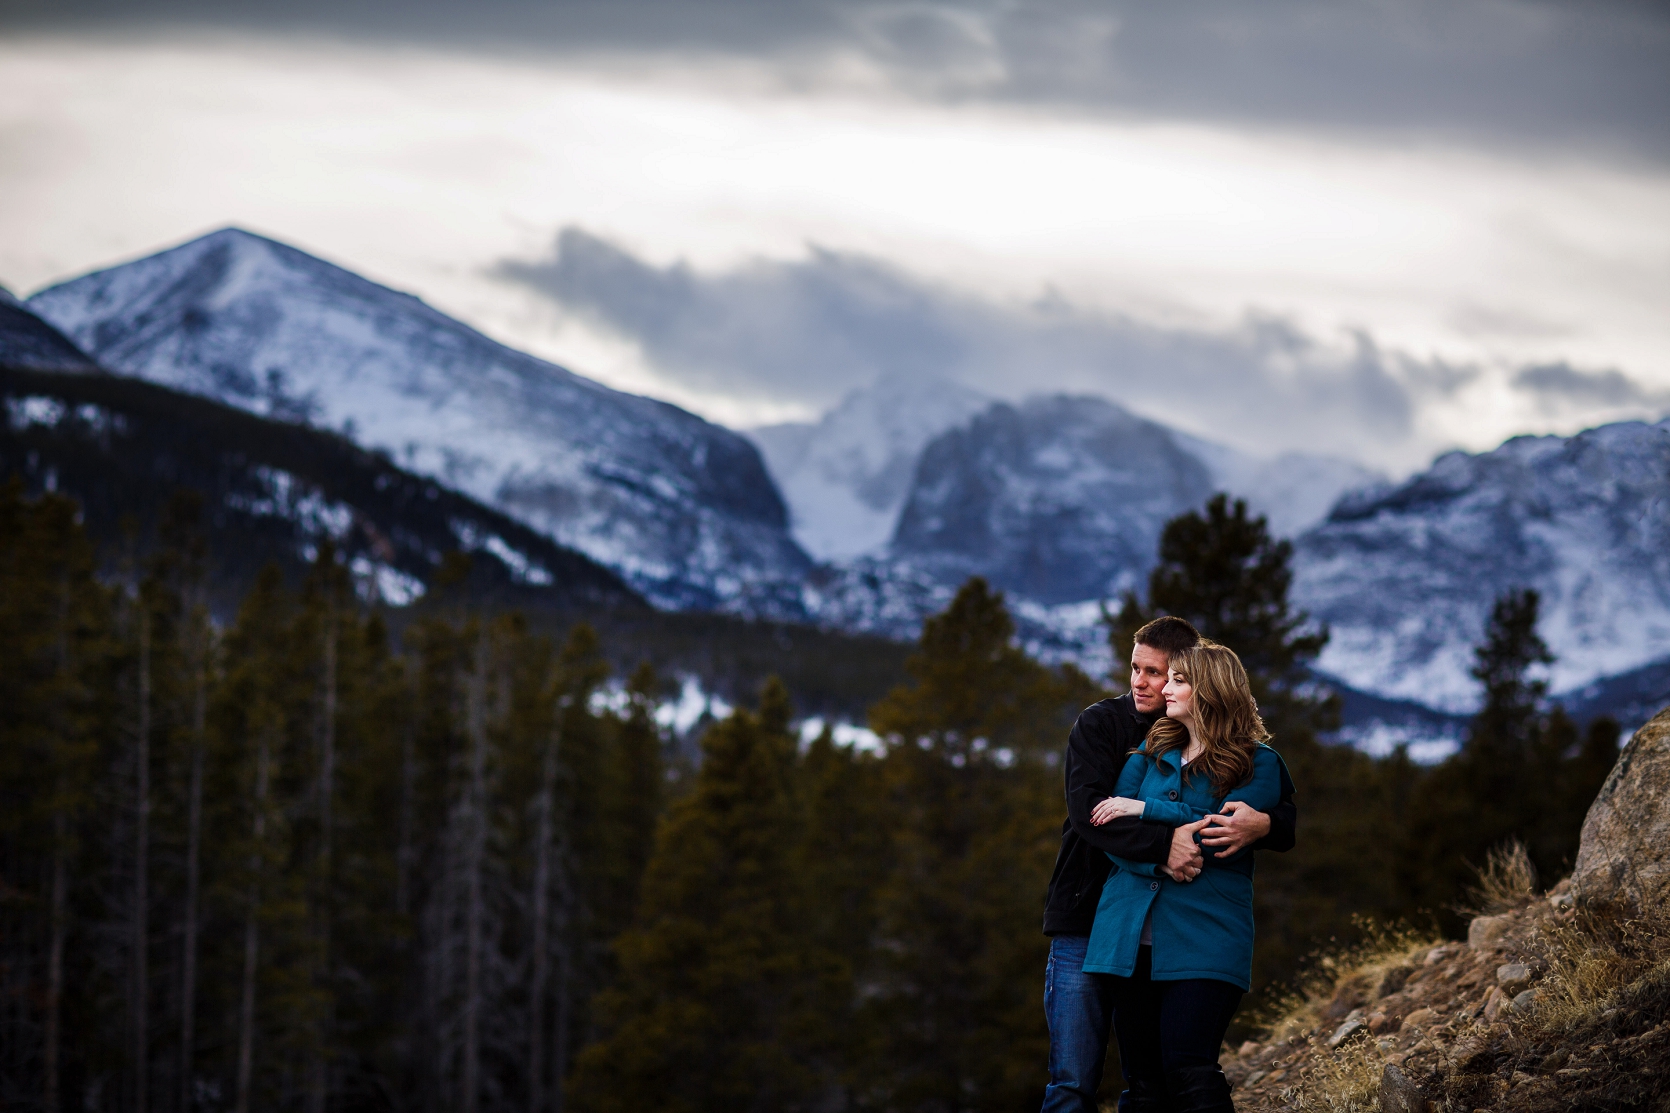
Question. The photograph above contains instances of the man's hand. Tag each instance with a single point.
(1185, 861)
(1236, 830)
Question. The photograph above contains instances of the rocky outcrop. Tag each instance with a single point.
(1561, 1001)
(1624, 858)
(1491, 1024)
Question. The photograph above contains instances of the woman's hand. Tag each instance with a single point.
(1114, 807)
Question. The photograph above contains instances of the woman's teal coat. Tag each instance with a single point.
(1202, 928)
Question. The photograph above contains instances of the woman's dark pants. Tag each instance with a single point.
(1169, 1036)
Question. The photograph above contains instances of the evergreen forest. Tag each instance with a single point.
(323, 856)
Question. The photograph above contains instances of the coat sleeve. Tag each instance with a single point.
(1130, 783)
(1171, 813)
(1094, 750)
(1284, 817)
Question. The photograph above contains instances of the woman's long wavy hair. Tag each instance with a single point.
(1225, 716)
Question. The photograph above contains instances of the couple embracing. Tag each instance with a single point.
(1170, 790)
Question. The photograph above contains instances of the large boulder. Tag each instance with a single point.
(1624, 858)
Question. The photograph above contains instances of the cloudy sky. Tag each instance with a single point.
(1379, 229)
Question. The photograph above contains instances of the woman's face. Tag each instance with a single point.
(1179, 695)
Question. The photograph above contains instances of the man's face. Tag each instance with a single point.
(1148, 678)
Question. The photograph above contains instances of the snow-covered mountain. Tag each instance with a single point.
(846, 476)
(1405, 575)
(30, 343)
(683, 508)
(1057, 499)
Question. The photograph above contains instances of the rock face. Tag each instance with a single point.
(1624, 858)
(1058, 499)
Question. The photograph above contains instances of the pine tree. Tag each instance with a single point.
(842, 860)
(975, 814)
(55, 672)
(1522, 773)
(718, 981)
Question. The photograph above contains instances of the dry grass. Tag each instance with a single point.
(1346, 1081)
(1597, 962)
(1508, 880)
(1378, 950)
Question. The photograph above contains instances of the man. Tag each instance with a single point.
(1078, 1005)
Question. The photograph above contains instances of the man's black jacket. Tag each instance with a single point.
(1102, 737)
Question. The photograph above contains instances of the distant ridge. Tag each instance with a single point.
(28, 342)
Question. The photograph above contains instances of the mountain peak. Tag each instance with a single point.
(847, 475)
(682, 507)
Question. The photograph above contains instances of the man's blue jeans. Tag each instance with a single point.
(1079, 1008)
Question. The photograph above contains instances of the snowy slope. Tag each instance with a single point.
(683, 508)
(1294, 491)
(846, 477)
(1406, 575)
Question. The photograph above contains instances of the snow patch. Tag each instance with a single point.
(844, 734)
(374, 580)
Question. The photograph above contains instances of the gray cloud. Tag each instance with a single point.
(811, 330)
(1557, 384)
(1557, 72)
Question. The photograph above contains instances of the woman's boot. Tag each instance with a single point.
(1146, 1096)
(1199, 1090)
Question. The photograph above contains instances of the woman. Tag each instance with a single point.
(1181, 952)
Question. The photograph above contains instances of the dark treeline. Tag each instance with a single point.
(292, 862)
(281, 866)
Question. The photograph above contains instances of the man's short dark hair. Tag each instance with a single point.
(1168, 634)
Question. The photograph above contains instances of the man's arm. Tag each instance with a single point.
(1284, 817)
(1284, 827)
(1095, 756)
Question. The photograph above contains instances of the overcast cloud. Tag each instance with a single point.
(1539, 72)
(809, 331)
(1377, 228)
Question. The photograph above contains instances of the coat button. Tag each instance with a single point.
(1172, 794)
(1153, 884)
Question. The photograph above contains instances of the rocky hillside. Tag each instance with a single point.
(1405, 576)
(682, 508)
(1555, 1001)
